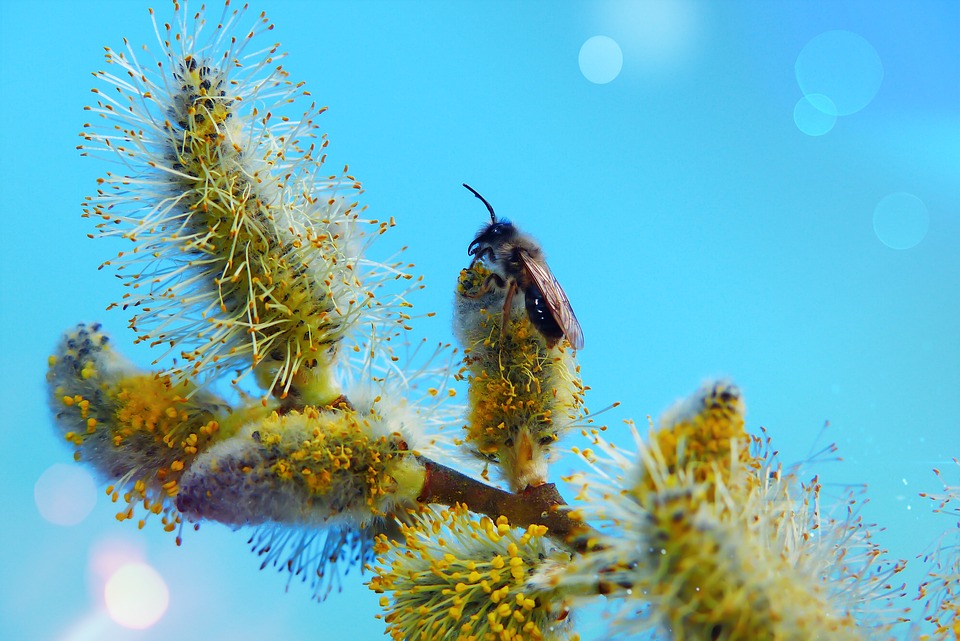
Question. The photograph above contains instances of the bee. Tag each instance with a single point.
(518, 264)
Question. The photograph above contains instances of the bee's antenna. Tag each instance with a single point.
(493, 216)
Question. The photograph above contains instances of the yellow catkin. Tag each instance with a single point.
(700, 434)
(138, 429)
(253, 263)
(522, 394)
(305, 466)
(716, 544)
(481, 574)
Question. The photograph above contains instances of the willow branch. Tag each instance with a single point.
(540, 505)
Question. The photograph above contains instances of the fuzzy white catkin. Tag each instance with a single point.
(311, 466)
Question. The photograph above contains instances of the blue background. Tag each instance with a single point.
(697, 230)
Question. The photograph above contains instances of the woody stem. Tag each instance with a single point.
(541, 505)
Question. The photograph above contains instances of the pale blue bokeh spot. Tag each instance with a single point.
(663, 36)
(901, 220)
(815, 114)
(65, 494)
(842, 66)
(600, 59)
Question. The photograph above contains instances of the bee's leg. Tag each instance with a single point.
(507, 304)
(493, 279)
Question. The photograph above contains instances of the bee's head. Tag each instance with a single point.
(492, 235)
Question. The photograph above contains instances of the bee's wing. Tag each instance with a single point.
(556, 299)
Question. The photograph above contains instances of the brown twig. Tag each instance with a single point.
(541, 505)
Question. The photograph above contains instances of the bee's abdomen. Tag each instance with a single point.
(540, 315)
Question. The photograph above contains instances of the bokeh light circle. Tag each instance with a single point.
(842, 66)
(901, 220)
(600, 59)
(65, 494)
(136, 596)
(814, 114)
